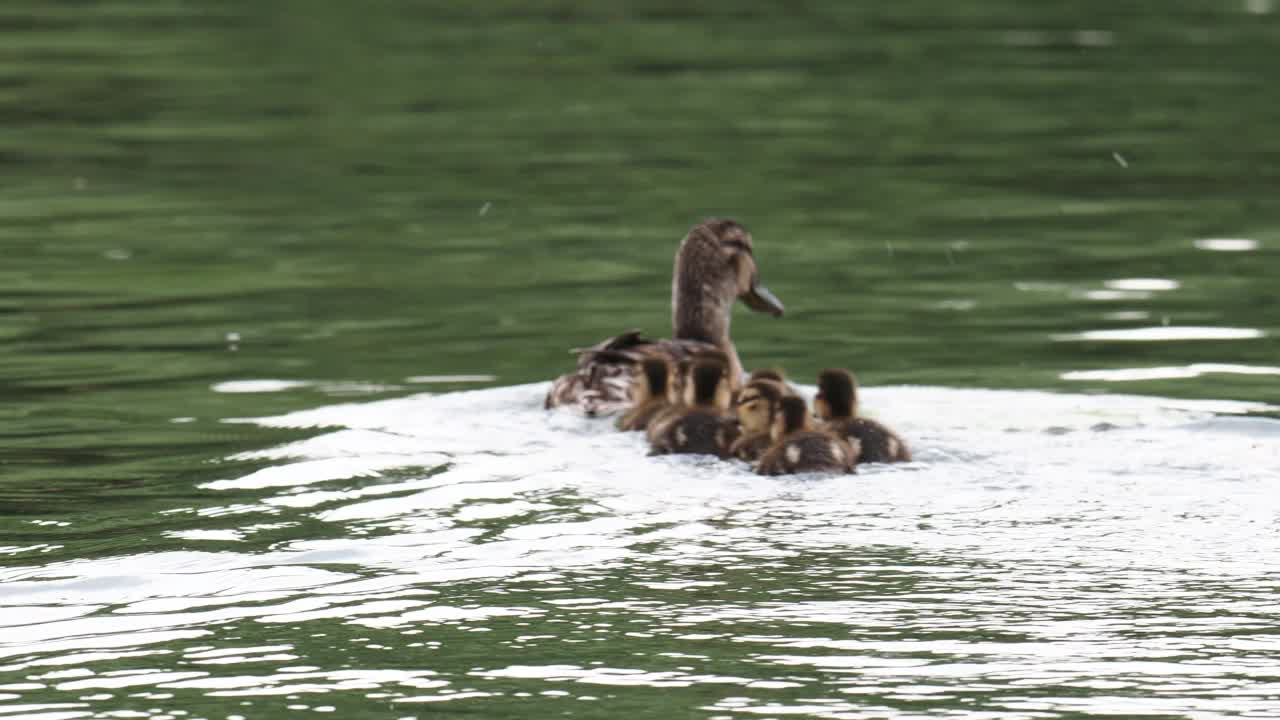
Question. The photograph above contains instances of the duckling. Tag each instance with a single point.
(650, 394)
(837, 406)
(703, 425)
(798, 448)
(681, 382)
(776, 375)
(756, 407)
(714, 266)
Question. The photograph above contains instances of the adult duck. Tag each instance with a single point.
(714, 266)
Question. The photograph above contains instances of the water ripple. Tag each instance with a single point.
(1073, 558)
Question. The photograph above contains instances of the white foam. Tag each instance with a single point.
(1032, 480)
(1166, 333)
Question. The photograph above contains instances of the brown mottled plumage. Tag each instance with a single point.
(714, 267)
(678, 390)
(703, 426)
(756, 406)
(837, 406)
(800, 449)
(650, 394)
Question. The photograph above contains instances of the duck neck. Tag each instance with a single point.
(698, 313)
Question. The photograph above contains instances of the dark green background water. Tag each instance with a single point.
(366, 192)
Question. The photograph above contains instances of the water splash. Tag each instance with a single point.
(1076, 554)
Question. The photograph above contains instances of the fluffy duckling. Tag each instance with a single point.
(798, 448)
(756, 407)
(703, 425)
(715, 267)
(776, 375)
(837, 406)
(678, 390)
(649, 394)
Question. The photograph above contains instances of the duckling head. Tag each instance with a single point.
(652, 380)
(771, 374)
(837, 395)
(708, 385)
(679, 378)
(716, 265)
(757, 404)
(776, 375)
(792, 416)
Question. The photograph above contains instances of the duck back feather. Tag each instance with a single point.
(601, 383)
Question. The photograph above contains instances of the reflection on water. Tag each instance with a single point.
(1142, 284)
(1227, 244)
(1167, 373)
(1158, 334)
(471, 550)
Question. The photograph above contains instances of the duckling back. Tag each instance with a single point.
(751, 447)
(798, 448)
(639, 417)
(809, 452)
(702, 425)
(879, 443)
(697, 432)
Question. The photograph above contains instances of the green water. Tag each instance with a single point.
(355, 195)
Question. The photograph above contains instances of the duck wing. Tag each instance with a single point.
(601, 383)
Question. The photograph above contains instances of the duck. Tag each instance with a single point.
(836, 405)
(649, 393)
(799, 447)
(715, 266)
(703, 425)
(756, 407)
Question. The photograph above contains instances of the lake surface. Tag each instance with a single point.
(281, 282)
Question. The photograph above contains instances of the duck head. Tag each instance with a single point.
(707, 385)
(792, 417)
(776, 375)
(769, 374)
(681, 378)
(757, 405)
(652, 380)
(716, 266)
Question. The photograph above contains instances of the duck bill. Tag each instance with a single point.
(759, 298)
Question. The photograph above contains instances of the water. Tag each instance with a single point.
(468, 550)
(272, 210)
